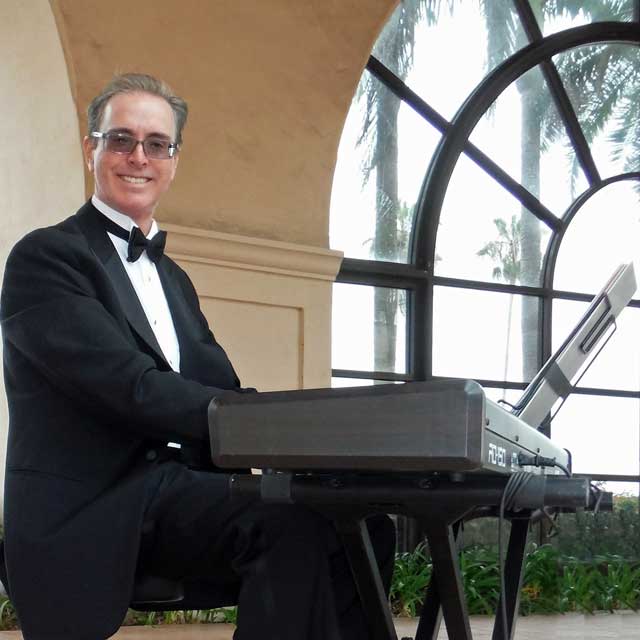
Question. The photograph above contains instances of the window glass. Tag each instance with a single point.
(575, 14)
(604, 233)
(350, 382)
(602, 84)
(510, 396)
(473, 37)
(601, 433)
(378, 175)
(523, 129)
(484, 230)
(625, 494)
(478, 334)
(337, 382)
(369, 328)
(617, 366)
(552, 21)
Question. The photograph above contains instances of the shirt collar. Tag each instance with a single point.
(120, 218)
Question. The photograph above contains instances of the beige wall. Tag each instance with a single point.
(268, 302)
(269, 84)
(41, 178)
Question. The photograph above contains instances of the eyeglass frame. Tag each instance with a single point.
(172, 148)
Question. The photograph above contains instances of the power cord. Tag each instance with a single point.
(515, 485)
(534, 460)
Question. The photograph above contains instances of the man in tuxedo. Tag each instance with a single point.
(109, 364)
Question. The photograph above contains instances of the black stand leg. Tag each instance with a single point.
(431, 615)
(513, 573)
(357, 544)
(446, 570)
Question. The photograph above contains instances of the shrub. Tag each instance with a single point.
(410, 579)
(552, 583)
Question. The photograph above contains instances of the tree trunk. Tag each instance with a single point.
(506, 350)
(386, 239)
(530, 87)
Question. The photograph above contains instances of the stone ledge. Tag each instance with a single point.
(254, 254)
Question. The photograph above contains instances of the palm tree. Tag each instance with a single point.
(380, 135)
(505, 252)
(598, 81)
(602, 83)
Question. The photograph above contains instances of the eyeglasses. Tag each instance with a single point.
(153, 146)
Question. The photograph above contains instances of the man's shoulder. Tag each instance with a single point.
(59, 240)
(65, 230)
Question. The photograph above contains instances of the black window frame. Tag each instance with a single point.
(417, 276)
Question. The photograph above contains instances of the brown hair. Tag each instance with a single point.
(141, 83)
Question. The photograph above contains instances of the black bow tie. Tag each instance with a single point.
(137, 241)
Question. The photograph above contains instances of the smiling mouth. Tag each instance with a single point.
(135, 179)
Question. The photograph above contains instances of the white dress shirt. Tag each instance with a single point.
(146, 282)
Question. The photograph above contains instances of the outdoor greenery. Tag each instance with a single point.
(9, 621)
(592, 564)
(584, 535)
(553, 583)
(601, 83)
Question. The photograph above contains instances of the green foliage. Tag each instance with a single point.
(205, 616)
(587, 535)
(606, 583)
(410, 579)
(505, 251)
(542, 582)
(9, 620)
(552, 583)
(592, 565)
(479, 568)
(584, 535)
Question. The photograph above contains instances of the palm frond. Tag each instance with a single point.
(597, 10)
(625, 137)
(503, 28)
(395, 48)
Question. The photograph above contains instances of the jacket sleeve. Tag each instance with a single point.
(60, 321)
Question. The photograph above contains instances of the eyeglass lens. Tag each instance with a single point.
(154, 147)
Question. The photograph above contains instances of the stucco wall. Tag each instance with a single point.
(269, 84)
(41, 179)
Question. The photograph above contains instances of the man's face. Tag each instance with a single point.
(133, 183)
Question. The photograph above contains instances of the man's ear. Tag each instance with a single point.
(175, 164)
(88, 147)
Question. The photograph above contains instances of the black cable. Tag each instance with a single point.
(508, 501)
(525, 460)
(514, 485)
(564, 469)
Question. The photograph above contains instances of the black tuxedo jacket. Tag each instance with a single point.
(90, 394)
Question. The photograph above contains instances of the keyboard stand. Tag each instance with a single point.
(440, 507)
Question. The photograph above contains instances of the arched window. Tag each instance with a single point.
(487, 184)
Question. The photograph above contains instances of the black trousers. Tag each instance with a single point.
(282, 564)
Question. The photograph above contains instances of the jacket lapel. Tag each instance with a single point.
(89, 221)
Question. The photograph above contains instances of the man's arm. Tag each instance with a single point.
(61, 317)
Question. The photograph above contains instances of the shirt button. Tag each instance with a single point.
(151, 455)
